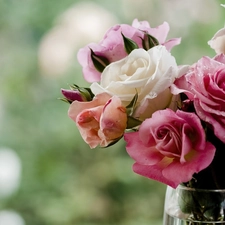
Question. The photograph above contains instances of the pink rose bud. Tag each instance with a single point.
(73, 95)
(149, 41)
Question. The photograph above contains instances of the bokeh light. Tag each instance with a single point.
(8, 217)
(82, 23)
(10, 172)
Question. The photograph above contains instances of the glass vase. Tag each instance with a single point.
(189, 206)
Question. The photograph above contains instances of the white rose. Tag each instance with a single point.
(148, 73)
(218, 41)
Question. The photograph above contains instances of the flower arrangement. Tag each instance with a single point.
(172, 117)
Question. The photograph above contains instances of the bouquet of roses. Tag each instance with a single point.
(172, 117)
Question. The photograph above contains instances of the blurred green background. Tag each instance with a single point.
(48, 175)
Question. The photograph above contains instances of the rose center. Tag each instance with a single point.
(169, 143)
(132, 66)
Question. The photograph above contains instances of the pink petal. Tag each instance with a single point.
(139, 152)
(160, 32)
(186, 170)
(153, 172)
(171, 43)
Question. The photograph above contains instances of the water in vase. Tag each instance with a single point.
(171, 220)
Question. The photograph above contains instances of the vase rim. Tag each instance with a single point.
(199, 189)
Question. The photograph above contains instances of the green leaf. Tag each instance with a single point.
(100, 62)
(86, 92)
(131, 106)
(113, 142)
(129, 44)
(65, 100)
(133, 122)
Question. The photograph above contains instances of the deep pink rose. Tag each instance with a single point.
(100, 121)
(204, 84)
(112, 46)
(72, 95)
(170, 147)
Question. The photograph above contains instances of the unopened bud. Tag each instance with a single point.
(149, 41)
(73, 95)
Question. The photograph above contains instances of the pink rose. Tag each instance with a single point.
(204, 84)
(112, 46)
(100, 121)
(170, 147)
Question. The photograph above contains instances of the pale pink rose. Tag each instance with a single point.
(112, 46)
(204, 84)
(170, 147)
(100, 121)
(218, 41)
(160, 33)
